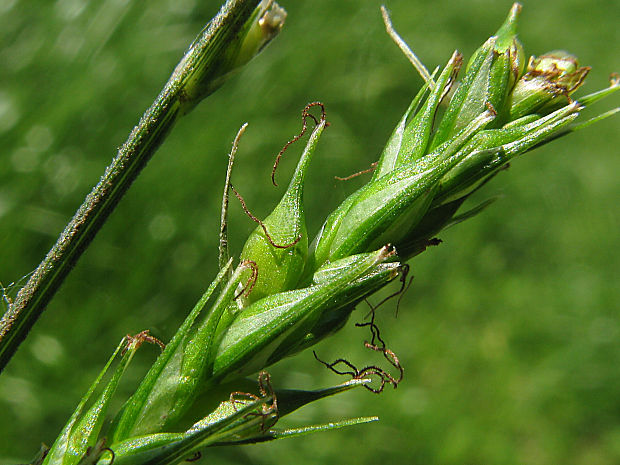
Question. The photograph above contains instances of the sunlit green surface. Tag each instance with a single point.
(509, 333)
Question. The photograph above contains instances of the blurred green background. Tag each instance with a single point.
(510, 333)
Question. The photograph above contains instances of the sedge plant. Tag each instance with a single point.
(285, 292)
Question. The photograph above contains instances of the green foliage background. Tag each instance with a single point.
(510, 332)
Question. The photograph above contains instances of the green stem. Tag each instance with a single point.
(238, 32)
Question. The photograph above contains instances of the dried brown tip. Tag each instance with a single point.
(456, 60)
(331, 366)
(372, 370)
(266, 390)
(305, 114)
(268, 412)
(249, 285)
(388, 251)
(404, 289)
(239, 397)
(262, 225)
(137, 340)
(404, 272)
(490, 109)
(365, 373)
(393, 360)
(389, 355)
(373, 166)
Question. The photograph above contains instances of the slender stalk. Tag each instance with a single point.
(224, 255)
(412, 57)
(238, 32)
